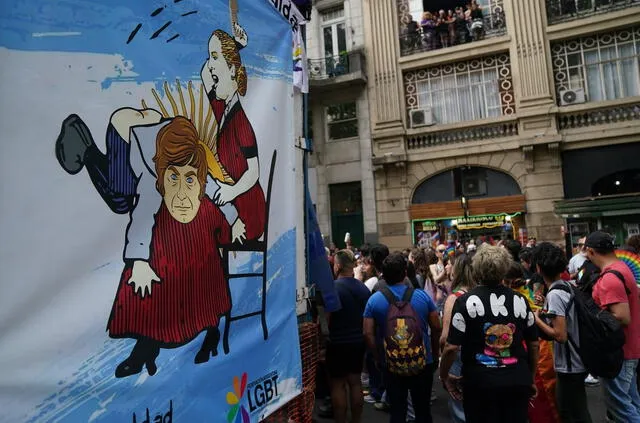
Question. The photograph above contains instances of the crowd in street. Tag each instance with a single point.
(514, 333)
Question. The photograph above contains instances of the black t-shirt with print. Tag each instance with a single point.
(491, 325)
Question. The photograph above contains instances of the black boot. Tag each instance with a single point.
(72, 144)
(209, 346)
(144, 353)
(110, 173)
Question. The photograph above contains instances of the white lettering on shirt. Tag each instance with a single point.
(497, 305)
(458, 322)
(519, 307)
(475, 306)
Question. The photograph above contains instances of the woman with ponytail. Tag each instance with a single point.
(225, 79)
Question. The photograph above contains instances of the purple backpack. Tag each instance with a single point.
(404, 350)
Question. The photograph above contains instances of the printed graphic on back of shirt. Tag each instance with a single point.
(497, 351)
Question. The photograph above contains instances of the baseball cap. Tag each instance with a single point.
(600, 240)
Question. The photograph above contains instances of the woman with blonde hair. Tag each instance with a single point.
(494, 329)
(462, 283)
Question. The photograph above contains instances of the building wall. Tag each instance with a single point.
(537, 132)
(347, 160)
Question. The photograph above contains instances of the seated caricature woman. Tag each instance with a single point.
(192, 293)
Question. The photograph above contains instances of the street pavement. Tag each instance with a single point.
(440, 412)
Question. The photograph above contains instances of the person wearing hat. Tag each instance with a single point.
(620, 298)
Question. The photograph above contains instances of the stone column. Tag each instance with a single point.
(381, 19)
(530, 53)
(534, 92)
(381, 35)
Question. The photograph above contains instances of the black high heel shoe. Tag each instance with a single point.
(143, 354)
(209, 346)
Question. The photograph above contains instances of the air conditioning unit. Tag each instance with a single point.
(474, 186)
(568, 97)
(421, 117)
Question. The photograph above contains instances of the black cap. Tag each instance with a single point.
(600, 240)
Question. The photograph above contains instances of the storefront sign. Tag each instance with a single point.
(429, 225)
(480, 222)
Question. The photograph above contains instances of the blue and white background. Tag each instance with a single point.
(61, 249)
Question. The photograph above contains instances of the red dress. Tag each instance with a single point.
(192, 294)
(237, 144)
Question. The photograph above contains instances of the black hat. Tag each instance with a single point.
(600, 240)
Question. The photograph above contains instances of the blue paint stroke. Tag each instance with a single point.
(95, 26)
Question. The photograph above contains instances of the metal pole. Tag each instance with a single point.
(305, 169)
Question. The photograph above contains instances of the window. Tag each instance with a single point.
(333, 32)
(566, 10)
(605, 66)
(463, 91)
(342, 121)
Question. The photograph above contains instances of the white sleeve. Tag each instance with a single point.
(142, 217)
(229, 210)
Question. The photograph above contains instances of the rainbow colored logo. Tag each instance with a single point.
(237, 413)
(631, 260)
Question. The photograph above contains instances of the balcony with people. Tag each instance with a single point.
(435, 25)
(559, 11)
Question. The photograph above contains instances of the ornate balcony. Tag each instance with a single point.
(601, 116)
(347, 68)
(477, 133)
(415, 37)
(568, 10)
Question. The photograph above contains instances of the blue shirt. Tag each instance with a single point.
(377, 308)
(345, 326)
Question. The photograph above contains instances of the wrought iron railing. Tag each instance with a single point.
(588, 118)
(478, 133)
(334, 66)
(493, 24)
(567, 10)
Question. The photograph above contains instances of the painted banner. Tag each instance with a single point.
(148, 264)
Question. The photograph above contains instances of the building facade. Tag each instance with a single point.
(517, 117)
(341, 177)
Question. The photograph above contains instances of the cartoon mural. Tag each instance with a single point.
(196, 245)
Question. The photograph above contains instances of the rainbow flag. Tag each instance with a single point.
(450, 251)
(632, 261)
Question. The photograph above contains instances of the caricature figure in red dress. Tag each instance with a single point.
(192, 293)
(225, 79)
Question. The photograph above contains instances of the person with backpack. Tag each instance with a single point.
(494, 329)
(558, 320)
(616, 291)
(396, 321)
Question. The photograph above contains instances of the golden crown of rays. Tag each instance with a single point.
(205, 126)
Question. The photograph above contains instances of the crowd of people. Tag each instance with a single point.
(514, 333)
(445, 28)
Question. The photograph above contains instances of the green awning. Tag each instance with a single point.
(610, 205)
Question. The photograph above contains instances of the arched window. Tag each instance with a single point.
(468, 181)
(623, 182)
